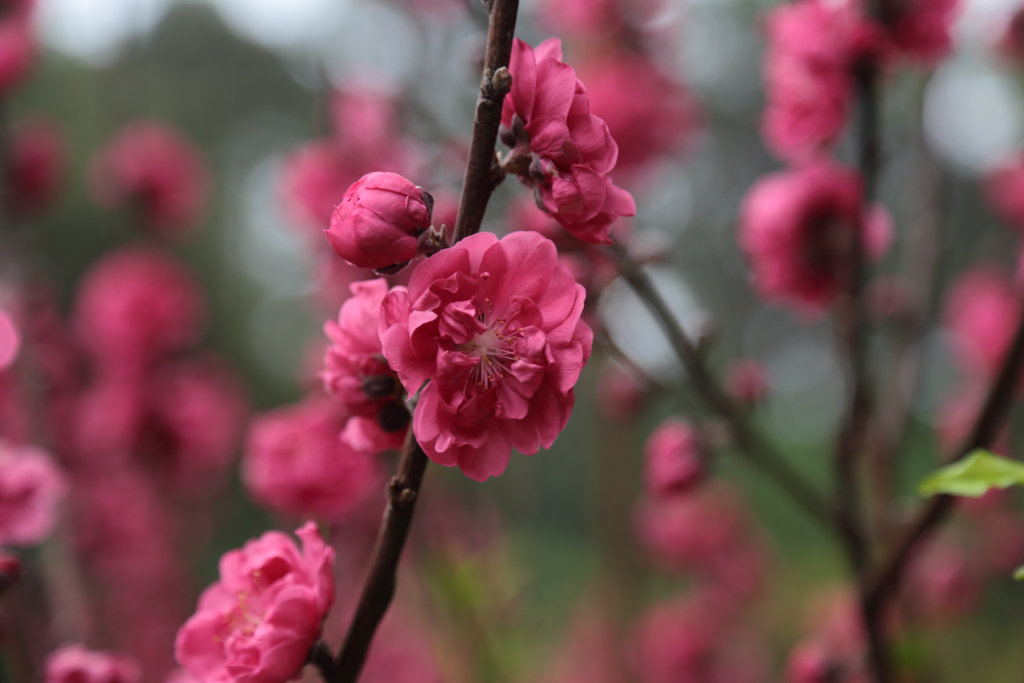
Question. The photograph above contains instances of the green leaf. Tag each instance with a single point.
(1018, 574)
(974, 476)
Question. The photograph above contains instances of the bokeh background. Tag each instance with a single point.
(250, 81)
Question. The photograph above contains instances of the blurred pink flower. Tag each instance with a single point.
(620, 392)
(591, 652)
(746, 380)
(648, 114)
(365, 137)
(17, 50)
(942, 583)
(296, 462)
(195, 412)
(1004, 187)
(981, 312)
(673, 458)
(794, 226)
(35, 161)
(1011, 42)
(75, 664)
(559, 149)
(258, 622)
(682, 640)
(134, 306)
(379, 220)
(815, 661)
(922, 29)
(150, 168)
(495, 326)
(356, 372)
(812, 47)
(31, 490)
(10, 340)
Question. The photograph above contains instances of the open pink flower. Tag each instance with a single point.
(673, 458)
(10, 340)
(794, 228)
(258, 622)
(31, 489)
(981, 312)
(296, 462)
(150, 168)
(560, 149)
(35, 159)
(812, 48)
(356, 372)
(75, 664)
(495, 327)
(135, 306)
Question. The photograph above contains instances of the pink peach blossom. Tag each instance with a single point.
(943, 584)
(31, 489)
(922, 29)
(648, 114)
(356, 372)
(673, 458)
(379, 221)
(151, 168)
(793, 228)
(746, 380)
(981, 311)
(812, 46)
(559, 149)
(258, 622)
(75, 664)
(195, 412)
(296, 463)
(136, 305)
(10, 340)
(365, 137)
(683, 640)
(1004, 187)
(17, 50)
(620, 392)
(815, 661)
(495, 327)
(35, 160)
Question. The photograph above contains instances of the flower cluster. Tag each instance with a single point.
(559, 149)
(259, 621)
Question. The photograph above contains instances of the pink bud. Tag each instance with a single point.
(746, 381)
(812, 662)
(672, 458)
(379, 221)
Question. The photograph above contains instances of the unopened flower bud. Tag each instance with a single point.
(673, 461)
(379, 221)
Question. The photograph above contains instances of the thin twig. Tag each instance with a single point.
(990, 420)
(403, 490)
(480, 178)
(750, 444)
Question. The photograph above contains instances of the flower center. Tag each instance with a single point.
(494, 349)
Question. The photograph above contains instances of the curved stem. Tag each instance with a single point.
(751, 445)
(990, 420)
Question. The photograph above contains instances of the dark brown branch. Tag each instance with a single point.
(403, 490)
(990, 420)
(379, 585)
(718, 401)
(480, 178)
(851, 319)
